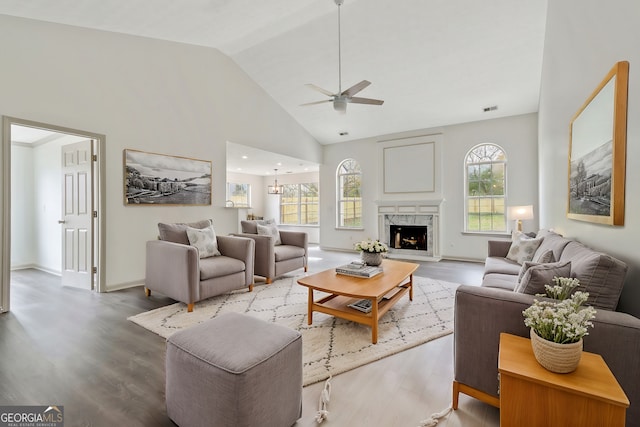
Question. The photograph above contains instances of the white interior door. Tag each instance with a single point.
(77, 215)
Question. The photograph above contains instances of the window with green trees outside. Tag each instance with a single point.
(485, 184)
(349, 200)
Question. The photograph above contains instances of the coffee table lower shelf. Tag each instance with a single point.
(338, 306)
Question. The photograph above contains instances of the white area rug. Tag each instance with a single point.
(329, 346)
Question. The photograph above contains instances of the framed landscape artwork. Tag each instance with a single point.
(597, 152)
(158, 179)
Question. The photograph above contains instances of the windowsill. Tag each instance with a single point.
(350, 228)
(486, 233)
(300, 225)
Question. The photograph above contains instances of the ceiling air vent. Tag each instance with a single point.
(492, 108)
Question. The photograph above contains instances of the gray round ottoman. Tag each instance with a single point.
(234, 371)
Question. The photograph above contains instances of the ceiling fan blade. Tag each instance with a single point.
(357, 100)
(356, 88)
(319, 89)
(316, 102)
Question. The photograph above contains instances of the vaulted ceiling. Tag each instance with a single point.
(433, 62)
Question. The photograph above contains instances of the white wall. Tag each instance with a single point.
(148, 95)
(23, 253)
(584, 39)
(517, 135)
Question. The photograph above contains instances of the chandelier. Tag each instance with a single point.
(275, 188)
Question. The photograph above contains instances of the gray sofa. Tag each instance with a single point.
(174, 268)
(273, 260)
(482, 313)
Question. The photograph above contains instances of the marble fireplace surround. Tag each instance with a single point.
(423, 212)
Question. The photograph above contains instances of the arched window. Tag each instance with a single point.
(349, 197)
(485, 189)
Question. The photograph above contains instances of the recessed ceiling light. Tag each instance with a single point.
(245, 157)
(279, 164)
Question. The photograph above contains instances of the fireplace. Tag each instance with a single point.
(411, 229)
(408, 237)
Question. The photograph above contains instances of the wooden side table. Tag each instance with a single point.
(532, 396)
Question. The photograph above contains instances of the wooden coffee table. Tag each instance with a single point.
(344, 290)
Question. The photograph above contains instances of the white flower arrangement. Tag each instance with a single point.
(373, 246)
(564, 321)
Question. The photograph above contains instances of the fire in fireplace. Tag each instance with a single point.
(408, 237)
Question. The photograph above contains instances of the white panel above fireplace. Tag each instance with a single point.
(411, 167)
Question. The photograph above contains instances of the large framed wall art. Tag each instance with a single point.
(597, 152)
(159, 179)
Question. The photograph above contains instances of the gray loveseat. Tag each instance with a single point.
(482, 313)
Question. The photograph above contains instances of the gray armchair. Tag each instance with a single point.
(273, 260)
(174, 269)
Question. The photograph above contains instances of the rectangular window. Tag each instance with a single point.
(299, 204)
(238, 195)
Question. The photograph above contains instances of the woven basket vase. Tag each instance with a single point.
(558, 358)
(372, 258)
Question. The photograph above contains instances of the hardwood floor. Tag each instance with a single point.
(75, 348)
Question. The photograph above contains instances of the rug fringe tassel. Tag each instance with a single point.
(433, 420)
(323, 402)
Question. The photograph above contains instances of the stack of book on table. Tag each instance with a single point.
(359, 269)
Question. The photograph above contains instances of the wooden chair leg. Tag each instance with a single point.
(251, 287)
(190, 307)
(147, 292)
(305, 268)
(269, 280)
(456, 392)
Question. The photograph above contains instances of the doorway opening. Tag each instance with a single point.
(52, 177)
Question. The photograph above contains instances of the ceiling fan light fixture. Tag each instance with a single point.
(340, 105)
(341, 98)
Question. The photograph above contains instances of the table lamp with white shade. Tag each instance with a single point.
(518, 213)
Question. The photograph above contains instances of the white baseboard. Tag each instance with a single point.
(127, 285)
(36, 267)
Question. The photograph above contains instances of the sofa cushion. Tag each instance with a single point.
(219, 266)
(599, 274)
(501, 265)
(537, 276)
(285, 252)
(270, 230)
(204, 240)
(177, 233)
(499, 280)
(523, 247)
(550, 242)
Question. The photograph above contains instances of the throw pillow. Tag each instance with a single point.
(270, 230)
(522, 247)
(204, 240)
(525, 266)
(177, 233)
(544, 258)
(537, 276)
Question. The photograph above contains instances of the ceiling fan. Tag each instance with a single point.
(342, 98)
